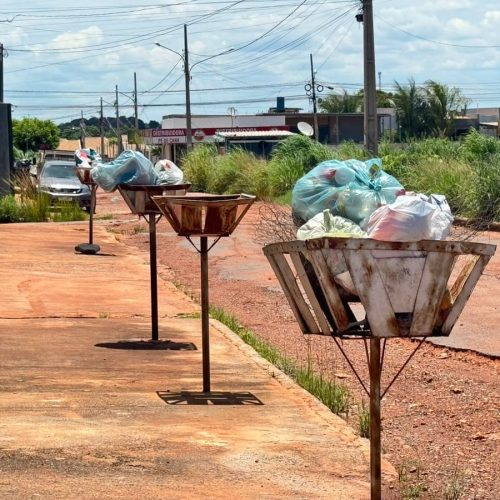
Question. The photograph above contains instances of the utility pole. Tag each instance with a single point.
(1, 72)
(101, 127)
(370, 94)
(136, 124)
(82, 131)
(315, 108)
(187, 78)
(118, 132)
(380, 80)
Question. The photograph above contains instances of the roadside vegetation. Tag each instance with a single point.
(467, 172)
(26, 204)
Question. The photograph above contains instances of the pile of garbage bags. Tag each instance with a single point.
(130, 167)
(353, 198)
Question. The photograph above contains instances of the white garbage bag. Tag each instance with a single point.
(167, 172)
(410, 218)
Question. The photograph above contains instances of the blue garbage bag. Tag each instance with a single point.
(352, 189)
(130, 167)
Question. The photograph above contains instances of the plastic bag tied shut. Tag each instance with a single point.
(352, 189)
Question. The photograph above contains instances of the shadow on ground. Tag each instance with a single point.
(209, 398)
(149, 345)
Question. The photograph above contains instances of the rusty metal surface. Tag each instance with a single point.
(204, 214)
(138, 197)
(403, 287)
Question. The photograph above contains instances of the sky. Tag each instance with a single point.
(62, 57)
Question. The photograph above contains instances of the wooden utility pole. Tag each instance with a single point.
(370, 94)
(101, 129)
(118, 131)
(1, 72)
(82, 131)
(187, 78)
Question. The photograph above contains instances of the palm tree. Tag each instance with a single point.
(412, 110)
(444, 104)
(343, 103)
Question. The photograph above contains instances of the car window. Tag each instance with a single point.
(60, 171)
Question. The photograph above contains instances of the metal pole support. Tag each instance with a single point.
(153, 277)
(89, 248)
(205, 337)
(93, 189)
(375, 431)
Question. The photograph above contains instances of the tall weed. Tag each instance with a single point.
(198, 166)
(456, 180)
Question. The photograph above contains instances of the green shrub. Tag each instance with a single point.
(198, 166)
(9, 211)
(67, 211)
(456, 180)
(283, 174)
(348, 150)
(486, 200)
(36, 209)
(301, 150)
(478, 146)
(239, 171)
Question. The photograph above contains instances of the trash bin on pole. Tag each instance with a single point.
(138, 199)
(204, 215)
(407, 289)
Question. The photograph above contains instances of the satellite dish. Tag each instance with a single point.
(305, 129)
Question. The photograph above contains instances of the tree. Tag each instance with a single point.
(444, 104)
(341, 103)
(29, 134)
(412, 110)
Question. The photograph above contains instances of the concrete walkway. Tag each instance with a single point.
(91, 411)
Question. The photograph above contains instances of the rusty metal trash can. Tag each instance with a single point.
(204, 215)
(407, 289)
(139, 200)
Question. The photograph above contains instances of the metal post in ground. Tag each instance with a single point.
(375, 367)
(153, 276)
(205, 337)
(89, 248)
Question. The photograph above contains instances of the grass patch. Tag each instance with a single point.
(332, 394)
(66, 211)
(364, 420)
(410, 480)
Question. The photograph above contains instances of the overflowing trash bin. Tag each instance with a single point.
(362, 238)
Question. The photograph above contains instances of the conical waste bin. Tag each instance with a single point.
(407, 289)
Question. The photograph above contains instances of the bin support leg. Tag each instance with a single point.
(205, 338)
(375, 432)
(89, 248)
(91, 216)
(153, 277)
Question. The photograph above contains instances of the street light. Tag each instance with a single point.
(187, 78)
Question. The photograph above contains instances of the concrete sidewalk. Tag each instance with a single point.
(89, 411)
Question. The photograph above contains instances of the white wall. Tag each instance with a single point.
(224, 121)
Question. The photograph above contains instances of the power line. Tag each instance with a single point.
(448, 44)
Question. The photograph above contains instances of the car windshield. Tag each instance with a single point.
(60, 171)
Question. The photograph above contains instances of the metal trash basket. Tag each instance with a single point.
(404, 287)
(202, 214)
(138, 197)
(84, 175)
(407, 289)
